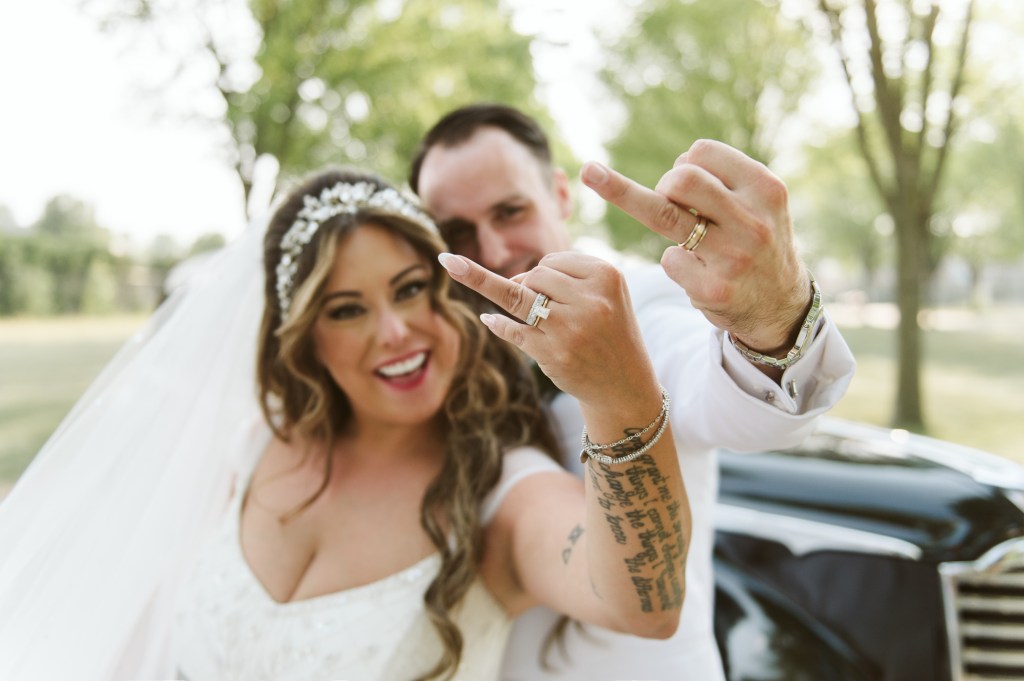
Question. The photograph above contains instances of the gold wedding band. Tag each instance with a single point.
(697, 235)
(539, 310)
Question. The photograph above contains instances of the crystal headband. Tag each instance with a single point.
(344, 197)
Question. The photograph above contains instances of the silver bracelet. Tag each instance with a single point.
(591, 450)
(802, 338)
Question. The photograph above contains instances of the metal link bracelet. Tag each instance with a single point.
(592, 451)
(804, 337)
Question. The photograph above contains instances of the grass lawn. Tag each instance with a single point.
(45, 365)
(973, 377)
(972, 386)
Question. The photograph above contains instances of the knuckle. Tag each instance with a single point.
(700, 148)
(679, 181)
(544, 268)
(667, 216)
(609, 274)
(514, 299)
(774, 190)
(516, 336)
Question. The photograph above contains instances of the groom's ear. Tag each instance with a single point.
(560, 186)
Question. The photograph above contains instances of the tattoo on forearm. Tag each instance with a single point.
(574, 536)
(636, 500)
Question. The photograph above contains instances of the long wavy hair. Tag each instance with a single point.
(492, 405)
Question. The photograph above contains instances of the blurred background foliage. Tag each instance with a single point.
(897, 125)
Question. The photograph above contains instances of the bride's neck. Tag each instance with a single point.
(387, 444)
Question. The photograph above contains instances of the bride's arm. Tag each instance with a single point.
(612, 550)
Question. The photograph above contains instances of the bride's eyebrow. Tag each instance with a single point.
(408, 270)
(342, 294)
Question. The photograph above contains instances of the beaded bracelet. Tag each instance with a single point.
(592, 451)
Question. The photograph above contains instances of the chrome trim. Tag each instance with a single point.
(986, 657)
(999, 632)
(804, 536)
(1001, 567)
(982, 467)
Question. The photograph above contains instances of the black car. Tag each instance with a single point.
(870, 554)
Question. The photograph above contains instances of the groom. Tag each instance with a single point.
(731, 318)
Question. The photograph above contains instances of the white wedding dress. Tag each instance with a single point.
(229, 628)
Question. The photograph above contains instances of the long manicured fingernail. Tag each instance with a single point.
(594, 173)
(453, 263)
(488, 320)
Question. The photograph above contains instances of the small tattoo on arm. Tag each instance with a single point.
(574, 536)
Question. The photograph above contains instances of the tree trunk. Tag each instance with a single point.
(910, 257)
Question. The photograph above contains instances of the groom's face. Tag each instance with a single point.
(495, 202)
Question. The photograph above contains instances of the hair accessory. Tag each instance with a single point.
(797, 351)
(592, 451)
(697, 235)
(539, 310)
(344, 197)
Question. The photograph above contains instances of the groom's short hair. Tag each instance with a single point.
(459, 125)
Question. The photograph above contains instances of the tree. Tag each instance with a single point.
(336, 81)
(682, 73)
(66, 241)
(904, 64)
(207, 242)
(982, 205)
(837, 214)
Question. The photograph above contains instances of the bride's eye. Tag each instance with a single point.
(410, 289)
(343, 312)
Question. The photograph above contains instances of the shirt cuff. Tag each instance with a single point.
(797, 393)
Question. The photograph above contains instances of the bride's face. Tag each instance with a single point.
(378, 335)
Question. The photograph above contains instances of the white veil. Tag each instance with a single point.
(96, 534)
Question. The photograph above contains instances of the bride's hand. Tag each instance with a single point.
(586, 339)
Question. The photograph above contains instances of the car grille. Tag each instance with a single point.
(984, 603)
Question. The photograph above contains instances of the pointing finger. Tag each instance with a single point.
(656, 212)
(506, 294)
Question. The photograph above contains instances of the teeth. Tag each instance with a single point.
(406, 366)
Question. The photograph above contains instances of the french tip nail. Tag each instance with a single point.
(487, 319)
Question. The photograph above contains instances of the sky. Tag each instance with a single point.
(71, 121)
(69, 125)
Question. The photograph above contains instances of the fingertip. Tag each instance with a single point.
(487, 320)
(594, 173)
(453, 263)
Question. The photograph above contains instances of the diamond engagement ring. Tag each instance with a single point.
(539, 310)
(697, 235)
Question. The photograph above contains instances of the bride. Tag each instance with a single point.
(377, 502)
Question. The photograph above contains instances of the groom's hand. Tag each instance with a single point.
(745, 275)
